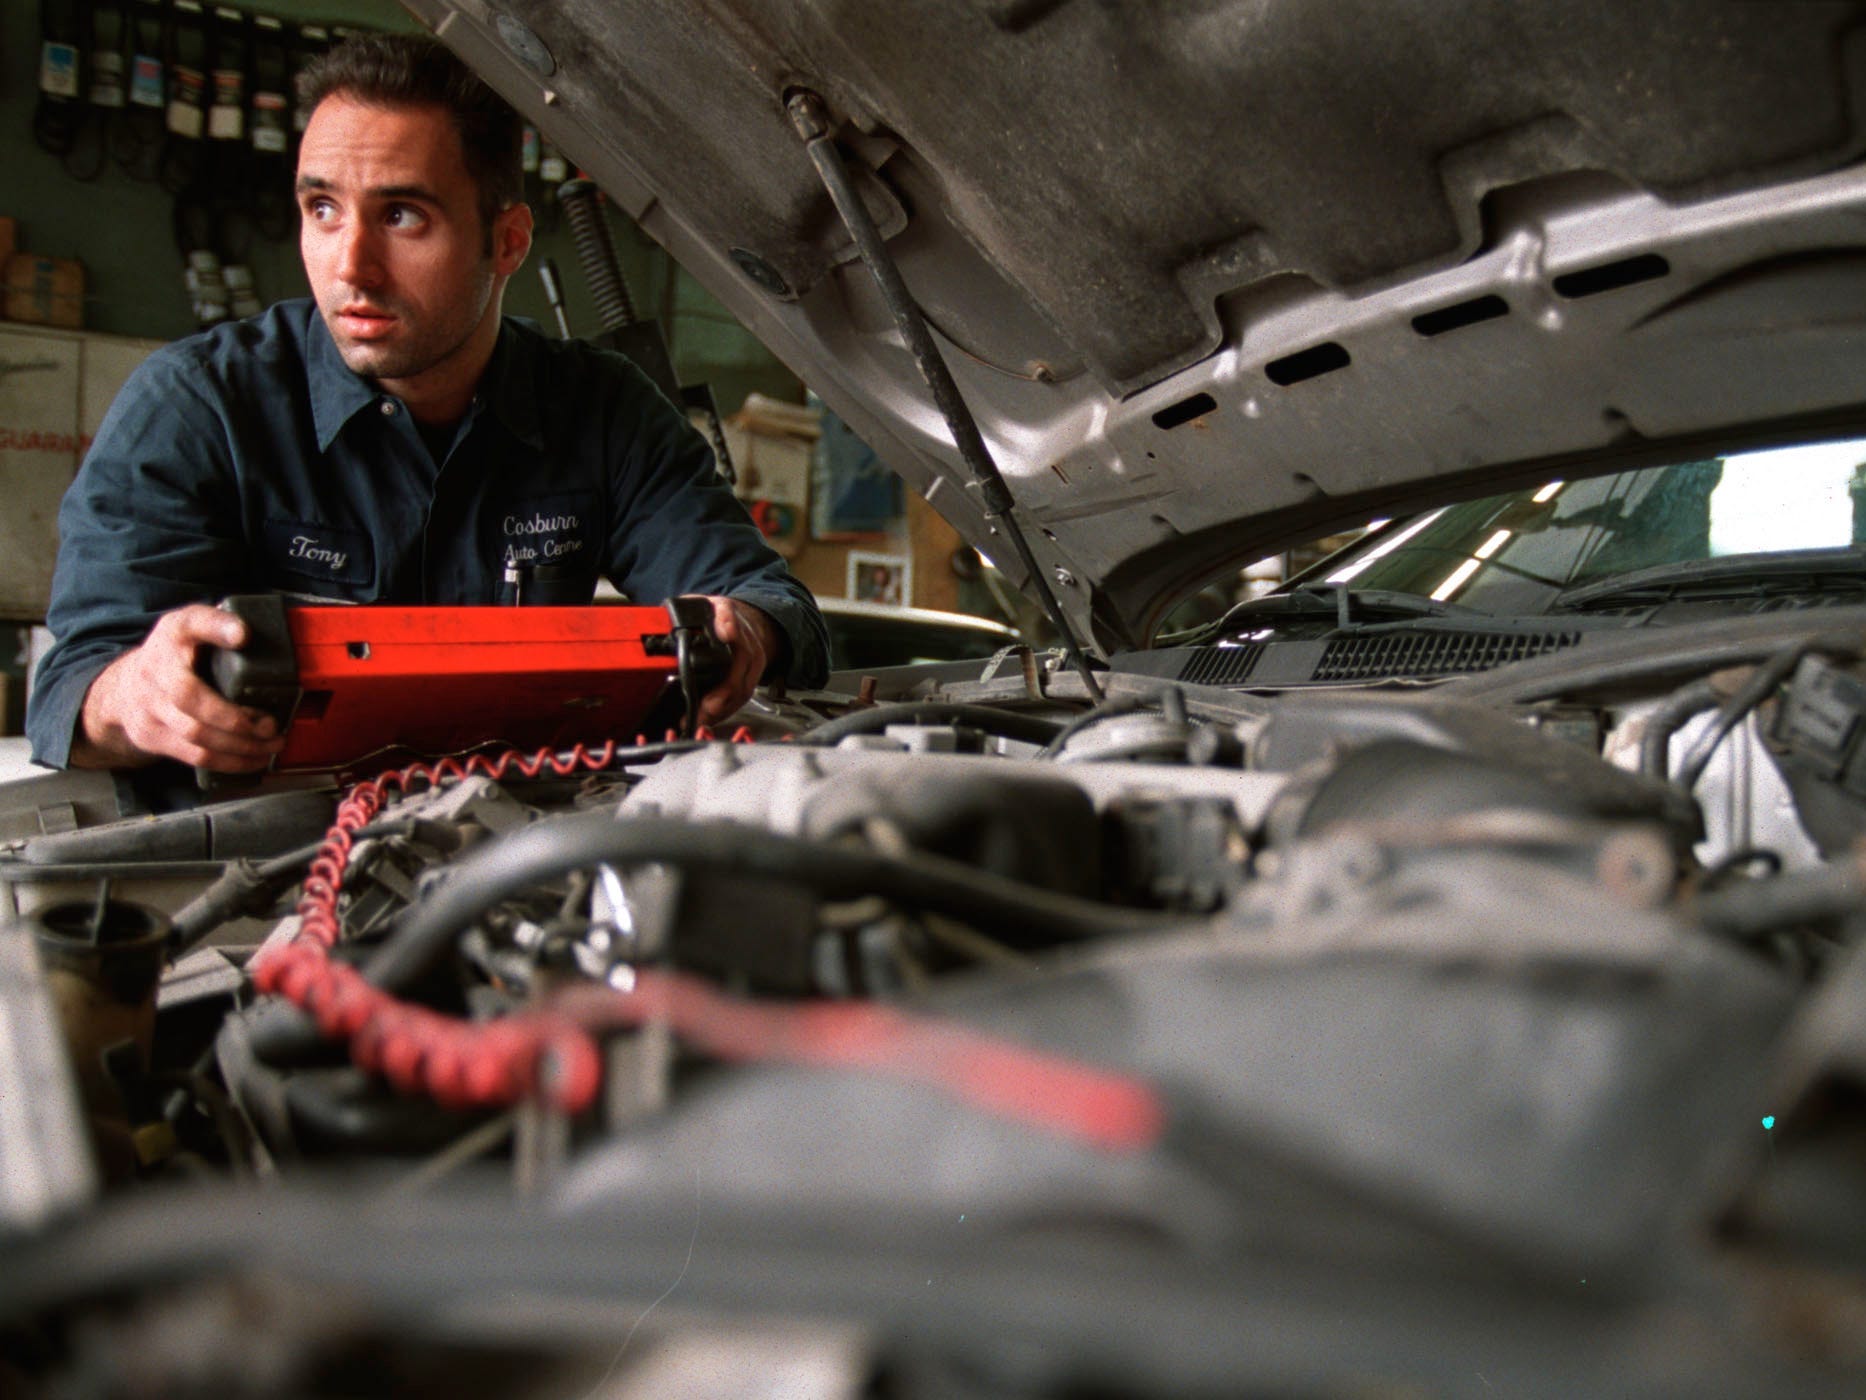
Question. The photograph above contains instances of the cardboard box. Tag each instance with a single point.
(45, 291)
(9, 237)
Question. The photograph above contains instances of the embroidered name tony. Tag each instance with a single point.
(307, 547)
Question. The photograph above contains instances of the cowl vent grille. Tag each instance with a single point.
(1221, 665)
(1433, 653)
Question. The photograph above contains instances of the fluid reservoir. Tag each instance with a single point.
(102, 961)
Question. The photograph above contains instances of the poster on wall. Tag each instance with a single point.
(880, 578)
(855, 492)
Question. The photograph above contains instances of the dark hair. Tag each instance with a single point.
(411, 70)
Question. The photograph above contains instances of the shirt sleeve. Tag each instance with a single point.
(145, 527)
(676, 527)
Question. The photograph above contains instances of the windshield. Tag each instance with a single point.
(1513, 553)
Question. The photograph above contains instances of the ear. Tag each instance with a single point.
(511, 238)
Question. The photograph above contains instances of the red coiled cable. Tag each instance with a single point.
(550, 1053)
(461, 1064)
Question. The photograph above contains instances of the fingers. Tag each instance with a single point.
(752, 636)
(149, 703)
(170, 729)
(198, 623)
(199, 711)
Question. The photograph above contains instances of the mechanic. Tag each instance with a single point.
(395, 439)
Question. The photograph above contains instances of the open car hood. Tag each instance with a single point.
(1215, 275)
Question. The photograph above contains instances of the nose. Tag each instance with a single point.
(357, 262)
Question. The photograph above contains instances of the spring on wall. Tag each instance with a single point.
(589, 229)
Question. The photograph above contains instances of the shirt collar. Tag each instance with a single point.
(338, 392)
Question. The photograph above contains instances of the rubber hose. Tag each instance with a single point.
(1753, 909)
(1759, 687)
(1112, 708)
(1667, 720)
(550, 849)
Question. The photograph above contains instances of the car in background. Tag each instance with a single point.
(868, 636)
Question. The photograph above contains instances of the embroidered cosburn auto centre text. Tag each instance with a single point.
(540, 524)
(535, 525)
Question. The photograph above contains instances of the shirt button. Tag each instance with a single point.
(388, 408)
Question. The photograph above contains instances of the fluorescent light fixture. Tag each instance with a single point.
(1459, 576)
(1492, 545)
(1455, 580)
(1348, 573)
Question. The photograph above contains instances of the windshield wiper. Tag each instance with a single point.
(1734, 575)
(1352, 608)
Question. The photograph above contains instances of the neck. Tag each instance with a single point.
(440, 395)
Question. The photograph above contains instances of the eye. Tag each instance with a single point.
(405, 216)
(318, 207)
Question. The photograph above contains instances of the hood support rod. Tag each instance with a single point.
(810, 117)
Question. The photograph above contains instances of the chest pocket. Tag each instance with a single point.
(298, 550)
(558, 531)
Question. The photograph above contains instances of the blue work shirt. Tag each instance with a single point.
(250, 459)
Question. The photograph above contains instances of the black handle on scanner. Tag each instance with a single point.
(262, 675)
(704, 660)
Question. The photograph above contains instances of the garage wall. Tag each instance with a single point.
(54, 388)
(120, 229)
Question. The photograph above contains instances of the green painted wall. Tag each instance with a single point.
(121, 230)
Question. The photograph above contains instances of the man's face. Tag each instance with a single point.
(393, 243)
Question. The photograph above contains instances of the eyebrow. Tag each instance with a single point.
(421, 192)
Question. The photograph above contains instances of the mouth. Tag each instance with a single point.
(364, 322)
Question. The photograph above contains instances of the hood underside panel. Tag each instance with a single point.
(1110, 209)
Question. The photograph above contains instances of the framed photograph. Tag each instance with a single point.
(880, 578)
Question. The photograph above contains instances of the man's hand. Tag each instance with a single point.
(755, 642)
(150, 704)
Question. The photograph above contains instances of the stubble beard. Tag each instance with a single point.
(422, 346)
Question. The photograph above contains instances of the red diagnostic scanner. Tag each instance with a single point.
(368, 687)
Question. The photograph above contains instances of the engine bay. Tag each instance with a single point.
(1534, 976)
